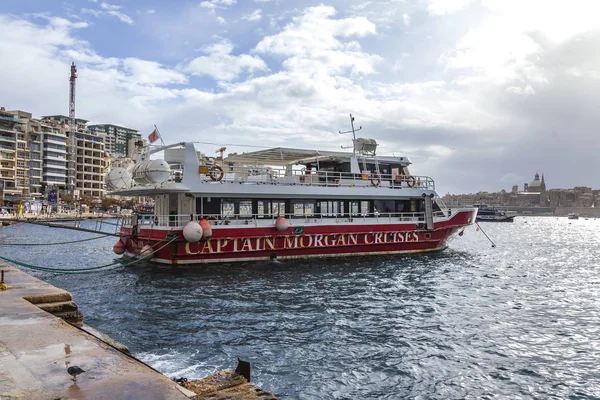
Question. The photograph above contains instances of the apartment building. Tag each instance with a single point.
(35, 153)
(90, 164)
(30, 154)
(117, 138)
(8, 155)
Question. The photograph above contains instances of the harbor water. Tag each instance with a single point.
(518, 321)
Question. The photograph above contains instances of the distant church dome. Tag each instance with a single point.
(537, 185)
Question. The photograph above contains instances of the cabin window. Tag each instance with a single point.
(303, 208)
(384, 206)
(364, 208)
(354, 207)
(266, 208)
(331, 208)
(227, 209)
(361, 207)
(245, 208)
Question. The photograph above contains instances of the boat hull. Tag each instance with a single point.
(230, 244)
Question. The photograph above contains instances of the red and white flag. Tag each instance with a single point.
(153, 137)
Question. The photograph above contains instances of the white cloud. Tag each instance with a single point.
(151, 73)
(208, 4)
(312, 43)
(500, 84)
(110, 7)
(110, 10)
(254, 16)
(221, 65)
(221, 20)
(406, 19)
(212, 4)
(150, 11)
(441, 7)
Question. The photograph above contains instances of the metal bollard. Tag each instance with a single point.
(3, 286)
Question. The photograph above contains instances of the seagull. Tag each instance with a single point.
(74, 371)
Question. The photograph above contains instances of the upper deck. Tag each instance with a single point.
(280, 171)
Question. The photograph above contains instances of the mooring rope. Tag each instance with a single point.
(90, 270)
(55, 243)
(488, 238)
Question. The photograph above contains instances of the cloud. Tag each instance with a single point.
(477, 96)
(441, 7)
(110, 10)
(221, 65)
(254, 16)
(151, 73)
(406, 19)
(314, 42)
(109, 7)
(208, 4)
(212, 4)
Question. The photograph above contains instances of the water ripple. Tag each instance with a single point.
(517, 321)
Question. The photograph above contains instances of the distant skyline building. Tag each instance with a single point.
(117, 138)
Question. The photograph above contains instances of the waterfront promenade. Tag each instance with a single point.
(37, 348)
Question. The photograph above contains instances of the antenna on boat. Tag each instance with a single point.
(353, 134)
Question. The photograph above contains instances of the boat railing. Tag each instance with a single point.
(282, 176)
(179, 220)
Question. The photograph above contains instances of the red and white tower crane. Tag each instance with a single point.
(72, 169)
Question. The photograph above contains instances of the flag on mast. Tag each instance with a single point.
(153, 137)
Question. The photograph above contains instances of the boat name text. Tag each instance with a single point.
(235, 245)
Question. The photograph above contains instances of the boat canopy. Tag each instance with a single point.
(288, 156)
(285, 156)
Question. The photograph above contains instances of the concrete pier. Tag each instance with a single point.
(37, 346)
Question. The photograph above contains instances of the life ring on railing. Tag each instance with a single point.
(376, 180)
(216, 173)
(410, 181)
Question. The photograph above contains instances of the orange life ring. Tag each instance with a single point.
(376, 180)
(216, 173)
(410, 181)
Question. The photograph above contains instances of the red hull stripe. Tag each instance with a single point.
(253, 243)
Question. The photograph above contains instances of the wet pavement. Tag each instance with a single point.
(36, 348)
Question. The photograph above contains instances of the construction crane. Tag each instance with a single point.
(221, 150)
(72, 166)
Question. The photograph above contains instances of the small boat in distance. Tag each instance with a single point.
(494, 214)
(573, 216)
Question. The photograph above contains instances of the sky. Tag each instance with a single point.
(479, 94)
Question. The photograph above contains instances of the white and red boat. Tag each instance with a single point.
(285, 203)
